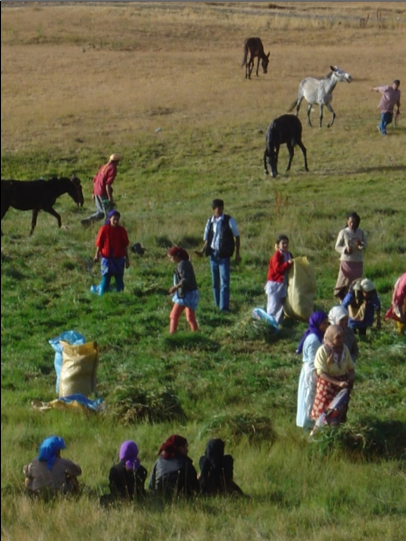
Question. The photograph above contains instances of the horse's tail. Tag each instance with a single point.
(292, 106)
(244, 60)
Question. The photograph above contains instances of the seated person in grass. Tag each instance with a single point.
(216, 470)
(173, 473)
(127, 478)
(49, 473)
(362, 302)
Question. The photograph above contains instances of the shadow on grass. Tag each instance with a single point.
(190, 341)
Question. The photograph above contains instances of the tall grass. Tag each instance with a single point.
(70, 96)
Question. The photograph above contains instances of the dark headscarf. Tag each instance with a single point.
(170, 448)
(315, 321)
(214, 451)
(113, 212)
(48, 449)
(129, 453)
(179, 252)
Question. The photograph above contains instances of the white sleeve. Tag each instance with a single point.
(233, 226)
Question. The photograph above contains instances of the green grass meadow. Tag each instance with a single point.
(72, 95)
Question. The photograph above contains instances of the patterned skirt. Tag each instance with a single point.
(325, 392)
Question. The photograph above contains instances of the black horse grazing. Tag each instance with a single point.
(284, 129)
(254, 47)
(38, 195)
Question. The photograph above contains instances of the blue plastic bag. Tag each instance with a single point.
(260, 313)
(74, 338)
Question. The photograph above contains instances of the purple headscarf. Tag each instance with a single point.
(48, 450)
(113, 212)
(315, 321)
(129, 453)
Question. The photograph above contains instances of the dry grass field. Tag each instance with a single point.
(77, 74)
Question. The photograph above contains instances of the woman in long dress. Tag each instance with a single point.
(351, 243)
(311, 340)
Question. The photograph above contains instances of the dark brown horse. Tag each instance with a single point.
(38, 195)
(284, 129)
(254, 47)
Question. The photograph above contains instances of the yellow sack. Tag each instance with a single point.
(301, 290)
(79, 367)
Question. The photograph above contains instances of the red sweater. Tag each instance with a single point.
(106, 175)
(277, 267)
(112, 241)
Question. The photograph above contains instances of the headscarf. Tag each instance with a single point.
(170, 448)
(336, 353)
(48, 450)
(113, 212)
(336, 314)
(179, 252)
(315, 320)
(214, 451)
(129, 453)
(212, 463)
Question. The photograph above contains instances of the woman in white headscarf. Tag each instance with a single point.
(335, 371)
(338, 315)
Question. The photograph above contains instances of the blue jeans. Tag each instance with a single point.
(105, 283)
(220, 272)
(386, 118)
(103, 207)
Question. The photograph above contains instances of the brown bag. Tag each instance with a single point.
(79, 367)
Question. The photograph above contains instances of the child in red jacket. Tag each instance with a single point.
(277, 285)
(112, 245)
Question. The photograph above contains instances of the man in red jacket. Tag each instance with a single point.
(103, 190)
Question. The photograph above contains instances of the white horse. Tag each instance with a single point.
(320, 91)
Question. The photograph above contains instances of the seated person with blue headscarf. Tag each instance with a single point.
(49, 473)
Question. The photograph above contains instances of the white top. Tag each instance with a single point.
(347, 239)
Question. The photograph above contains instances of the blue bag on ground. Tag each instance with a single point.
(260, 313)
(74, 338)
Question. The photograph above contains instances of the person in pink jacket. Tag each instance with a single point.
(390, 97)
(277, 285)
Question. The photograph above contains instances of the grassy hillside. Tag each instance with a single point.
(82, 81)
